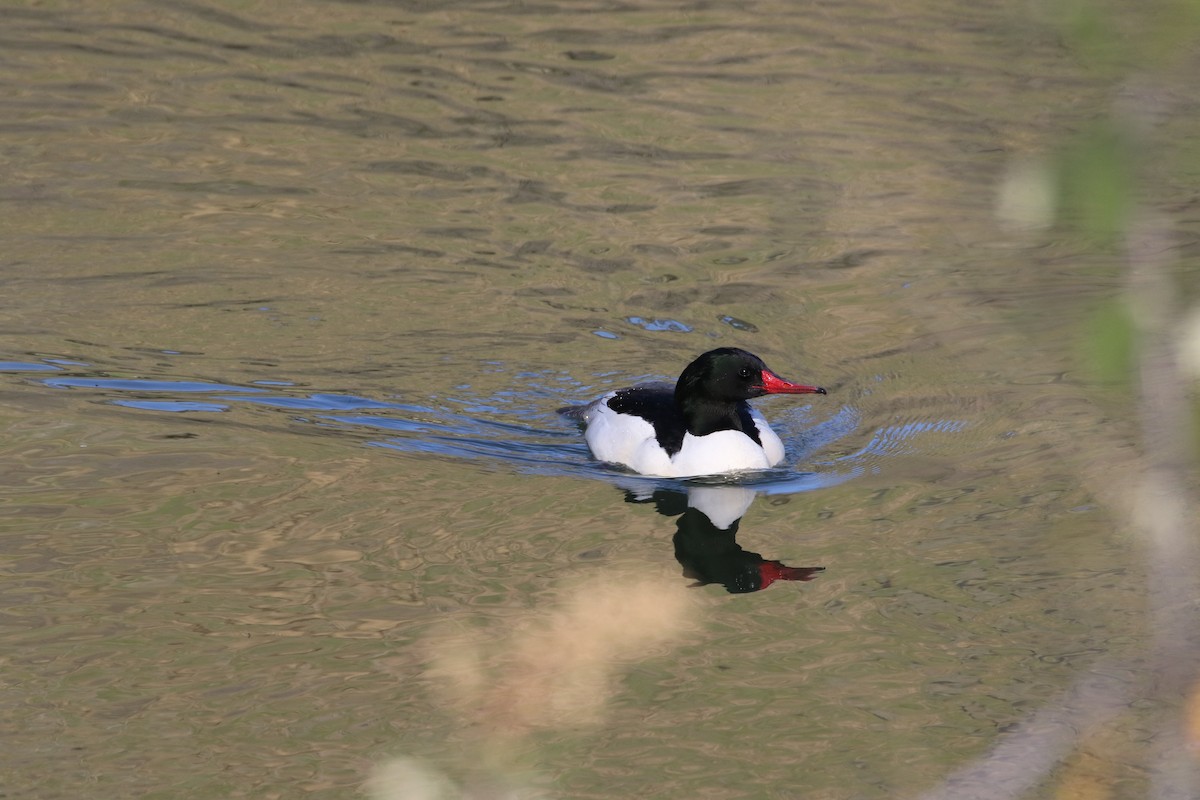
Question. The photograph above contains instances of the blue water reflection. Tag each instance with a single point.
(140, 385)
(521, 430)
(515, 428)
(27, 366)
(170, 405)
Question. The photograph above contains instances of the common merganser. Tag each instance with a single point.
(700, 426)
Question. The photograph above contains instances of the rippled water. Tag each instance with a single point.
(294, 290)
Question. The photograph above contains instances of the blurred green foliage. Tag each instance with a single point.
(1121, 36)
(1096, 182)
(1109, 340)
(1103, 171)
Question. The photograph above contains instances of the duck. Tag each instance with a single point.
(700, 425)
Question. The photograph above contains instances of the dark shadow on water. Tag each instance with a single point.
(706, 538)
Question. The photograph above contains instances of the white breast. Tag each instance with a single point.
(629, 441)
(723, 451)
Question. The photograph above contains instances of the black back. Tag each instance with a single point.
(709, 397)
(654, 403)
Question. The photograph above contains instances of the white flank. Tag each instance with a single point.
(629, 440)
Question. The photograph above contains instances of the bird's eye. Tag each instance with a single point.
(746, 373)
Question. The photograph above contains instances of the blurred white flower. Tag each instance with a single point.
(409, 779)
(1026, 198)
(1189, 344)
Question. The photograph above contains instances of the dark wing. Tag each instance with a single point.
(655, 403)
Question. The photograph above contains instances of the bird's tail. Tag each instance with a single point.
(576, 413)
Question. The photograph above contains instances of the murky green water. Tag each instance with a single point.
(293, 290)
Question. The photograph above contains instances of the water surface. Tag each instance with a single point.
(294, 290)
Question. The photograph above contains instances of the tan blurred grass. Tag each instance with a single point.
(552, 668)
